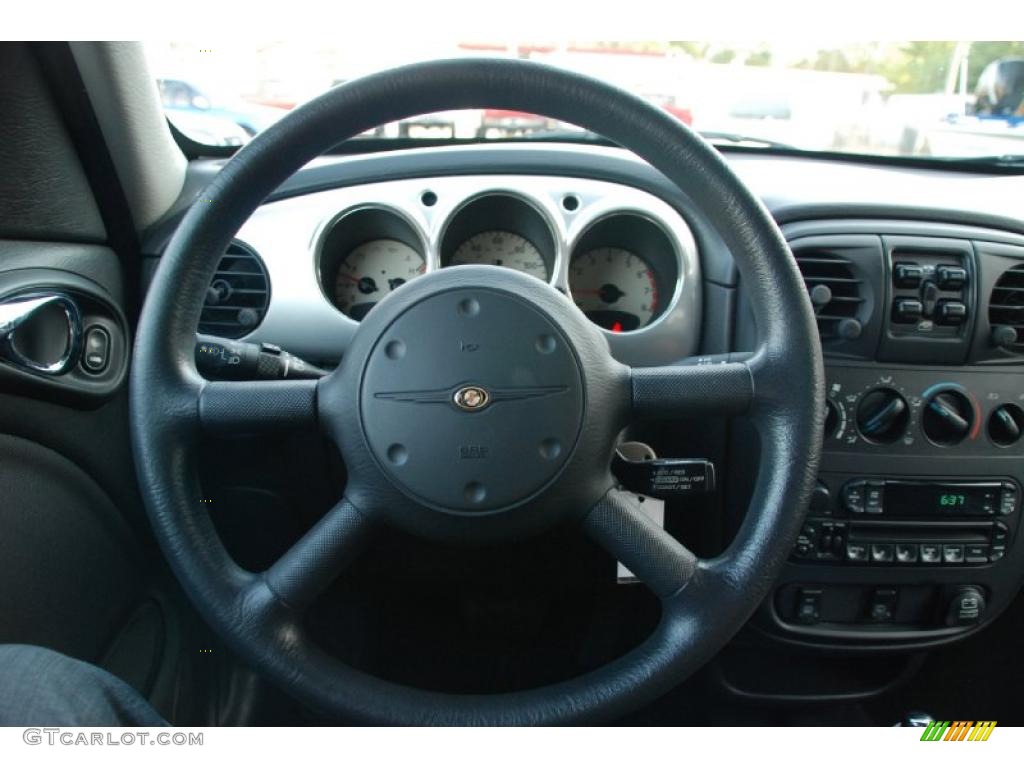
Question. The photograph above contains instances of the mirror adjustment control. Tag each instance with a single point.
(96, 350)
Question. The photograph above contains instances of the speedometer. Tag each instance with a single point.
(615, 288)
(503, 249)
(371, 271)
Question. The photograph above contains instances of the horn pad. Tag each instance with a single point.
(471, 400)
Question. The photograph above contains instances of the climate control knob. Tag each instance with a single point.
(948, 417)
(882, 415)
(1006, 424)
(831, 418)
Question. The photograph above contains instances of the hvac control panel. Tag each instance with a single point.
(924, 411)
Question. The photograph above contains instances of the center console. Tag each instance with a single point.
(912, 534)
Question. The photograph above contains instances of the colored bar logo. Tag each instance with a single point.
(958, 730)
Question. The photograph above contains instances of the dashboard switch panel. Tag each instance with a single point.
(930, 298)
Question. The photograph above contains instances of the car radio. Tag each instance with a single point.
(910, 522)
(915, 498)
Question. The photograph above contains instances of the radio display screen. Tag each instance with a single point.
(933, 500)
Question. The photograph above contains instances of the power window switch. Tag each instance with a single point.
(906, 274)
(951, 278)
(951, 312)
(907, 310)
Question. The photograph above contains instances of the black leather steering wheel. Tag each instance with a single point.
(476, 404)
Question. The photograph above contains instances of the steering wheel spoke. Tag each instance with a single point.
(315, 560)
(618, 524)
(257, 406)
(692, 388)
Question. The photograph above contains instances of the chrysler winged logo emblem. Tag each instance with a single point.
(470, 397)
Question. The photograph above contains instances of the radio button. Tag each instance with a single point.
(996, 553)
(838, 542)
(1000, 534)
(1008, 500)
(976, 554)
(931, 553)
(881, 553)
(853, 497)
(874, 494)
(953, 553)
(906, 553)
(856, 552)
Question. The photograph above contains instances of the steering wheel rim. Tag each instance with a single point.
(704, 602)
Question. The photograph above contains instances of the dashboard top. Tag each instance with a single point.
(791, 187)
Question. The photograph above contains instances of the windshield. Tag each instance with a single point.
(937, 99)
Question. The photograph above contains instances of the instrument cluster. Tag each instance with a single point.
(625, 256)
(624, 267)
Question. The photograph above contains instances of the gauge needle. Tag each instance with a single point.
(348, 279)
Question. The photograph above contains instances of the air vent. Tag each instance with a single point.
(237, 298)
(1006, 308)
(836, 293)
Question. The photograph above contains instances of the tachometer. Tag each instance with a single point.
(503, 249)
(615, 288)
(371, 271)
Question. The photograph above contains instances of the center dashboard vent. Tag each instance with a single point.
(1006, 308)
(238, 296)
(837, 294)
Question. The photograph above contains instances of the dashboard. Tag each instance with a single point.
(916, 277)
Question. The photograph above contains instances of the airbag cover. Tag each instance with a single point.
(471, 400)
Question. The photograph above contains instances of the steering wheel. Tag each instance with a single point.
(477, 404)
